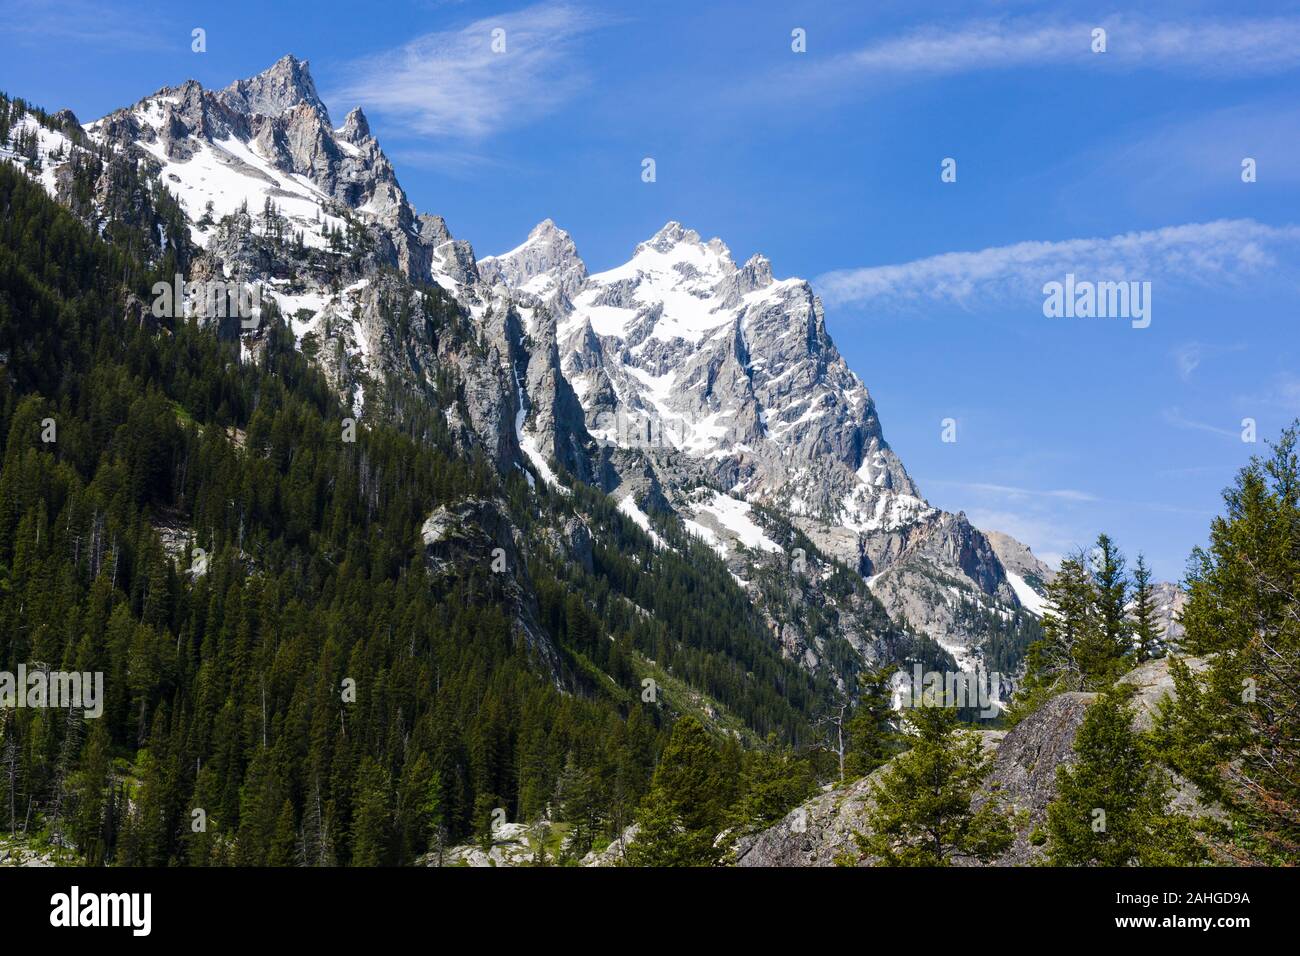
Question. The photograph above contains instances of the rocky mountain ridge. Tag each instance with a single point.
(704, 395)
(724, 375)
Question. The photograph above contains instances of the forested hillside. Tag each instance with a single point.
(312, 680)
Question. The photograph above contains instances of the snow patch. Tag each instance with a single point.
(1033, 602)
(629, 507)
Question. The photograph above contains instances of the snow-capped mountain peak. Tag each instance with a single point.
(679, 348)
(545, 266)
(726, 372)
(674, 235)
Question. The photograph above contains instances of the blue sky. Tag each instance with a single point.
(1122, 165)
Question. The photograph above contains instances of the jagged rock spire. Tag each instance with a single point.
(355, 129)
(284, 85)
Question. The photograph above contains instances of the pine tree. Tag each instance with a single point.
(1233, 728)
(90, 794)
(372, 823)
(577, 802)
(284, 841)
(1056, 663)
(922, 813)
(1147, 638)
(1102, 649)
(486, 816)
(1111, 803)
(872, 733)
(773, 782)
(679, 819)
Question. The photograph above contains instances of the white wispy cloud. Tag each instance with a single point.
(1175, 417)
(1065, 494)
(1282, 392)
(1188, 359)
(1219, 252)
(1066, 497)
(1237, 46)
(452, 83)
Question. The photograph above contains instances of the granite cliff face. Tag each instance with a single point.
(1017, 558)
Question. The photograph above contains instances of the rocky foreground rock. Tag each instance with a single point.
(1022, 779)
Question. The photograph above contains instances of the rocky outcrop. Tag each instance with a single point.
(20, 851)
(820, 831)
(521, 844)
(474, 539)
(1021, 780)
(615, 853)
(1018, 558)
(512, 844)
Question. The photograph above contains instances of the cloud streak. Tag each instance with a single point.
(1188, 359)
(1175, 417)
(453, 83)
(1064, 494)
(1211, 253)
(1248, 46)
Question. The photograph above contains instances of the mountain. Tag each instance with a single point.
(294, 614)
(700, 393)
(270, 137)
(1027, 574)
(726, 381)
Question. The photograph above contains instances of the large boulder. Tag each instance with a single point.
(1023, 778)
